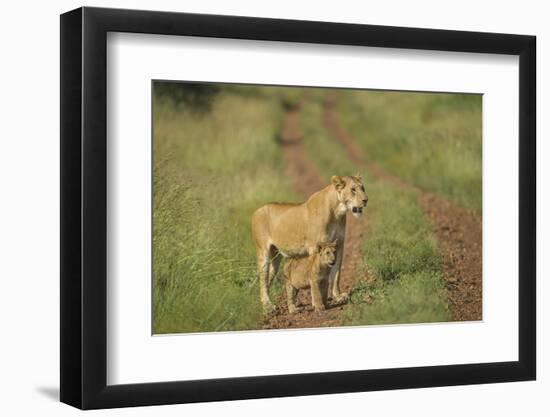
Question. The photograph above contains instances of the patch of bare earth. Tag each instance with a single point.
(306, 180)
(458, 231)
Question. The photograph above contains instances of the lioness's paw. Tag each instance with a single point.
(293, 309)
(319, 307)
(269, 308)
(342, 298)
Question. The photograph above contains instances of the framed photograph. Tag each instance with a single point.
(258, 208)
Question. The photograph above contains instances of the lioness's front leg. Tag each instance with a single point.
(334, 278)
(317, 298)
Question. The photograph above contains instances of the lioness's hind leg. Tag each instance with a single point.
(264, 261)
(275, 257)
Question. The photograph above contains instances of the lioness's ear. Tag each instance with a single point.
(338, 182)
(358, 177)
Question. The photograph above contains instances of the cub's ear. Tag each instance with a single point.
(338, 182)
(319, 247)
(358, 177)
(334, 243)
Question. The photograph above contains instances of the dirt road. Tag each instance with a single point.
(458, 231)
(306, 180)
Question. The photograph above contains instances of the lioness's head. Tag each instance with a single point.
(351, 193)
(327, 252)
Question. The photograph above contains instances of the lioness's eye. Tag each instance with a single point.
(363, 188)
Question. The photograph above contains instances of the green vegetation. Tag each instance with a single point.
(402, 257)
(212, 169)
(405, 285)
(215, 160)
(432, 140)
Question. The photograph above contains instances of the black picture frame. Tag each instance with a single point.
(84, 207)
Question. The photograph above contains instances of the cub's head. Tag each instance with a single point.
(351, 193)
(327, 252)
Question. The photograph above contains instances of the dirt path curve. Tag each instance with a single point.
(459, 232)
(306, 180)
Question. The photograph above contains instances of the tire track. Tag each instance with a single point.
(458, 231)
(306, 179)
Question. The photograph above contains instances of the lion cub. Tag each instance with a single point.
(310, 272)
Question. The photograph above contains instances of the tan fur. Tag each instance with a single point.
(310, 272)
(295, 230)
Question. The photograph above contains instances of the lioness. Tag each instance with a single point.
(310, 272)
(294, 230)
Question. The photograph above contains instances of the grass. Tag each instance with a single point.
(406, 284)
(432, 140)
(211, 171)
(216, 161)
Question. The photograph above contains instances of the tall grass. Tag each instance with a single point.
(432, 140)
(405, 283)
(211, 171)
